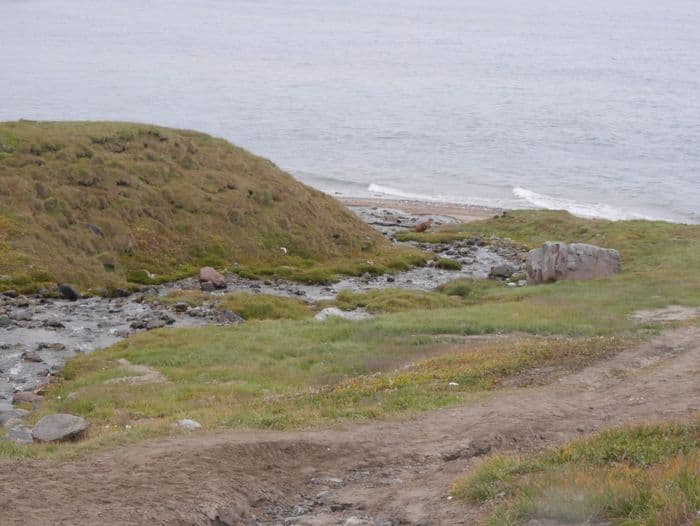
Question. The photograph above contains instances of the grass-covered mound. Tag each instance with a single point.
(100, 204)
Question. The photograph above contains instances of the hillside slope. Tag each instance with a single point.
(99, 204)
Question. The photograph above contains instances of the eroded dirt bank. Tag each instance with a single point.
(392, 472)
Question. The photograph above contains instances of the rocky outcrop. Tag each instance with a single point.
(555, 261)
(60, 428)
(208, 274)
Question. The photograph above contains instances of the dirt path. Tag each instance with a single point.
(395, 472)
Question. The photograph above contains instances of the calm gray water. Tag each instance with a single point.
(591, 106)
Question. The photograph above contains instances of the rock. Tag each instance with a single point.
(96, 230)
(20, 434)
(10, 293)
(60, 427)
(68, 292)
(22, 315)
(212, 276)
(424, 226)
(51, 346)
(6, 388)
(228, 316)
(334, 312)
(30, 356)
(14, 413)
(139, 324)
(188, 424)
(53, 323)
(390, 278)
(5, 321)
(357, 521)
(155, 324)
(502, 271)
(181, 307)
(556, 261)
(207, 286)
(26, 397)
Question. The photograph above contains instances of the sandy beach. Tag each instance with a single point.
(461, 212)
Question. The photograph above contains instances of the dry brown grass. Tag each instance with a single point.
(100, 204)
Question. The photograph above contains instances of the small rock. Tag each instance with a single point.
(155, 324)
(26, 397)
(188, 424)
(390, 278)
(139, 324)
(228, 316)
(10, 293)
(5, 321)
(60, 427)
(207, 286)
(68, 292)
(51, 346)
(335, 312)
(208, 274)
(340, 506)
(7, 416)
(20, 434)
(30, 356)
(181, 307)
(56, 324)
(357, 521)
(502, 271)
(96, 230)
(22, 315)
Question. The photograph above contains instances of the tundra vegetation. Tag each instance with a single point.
(284, 370)
(105, 205)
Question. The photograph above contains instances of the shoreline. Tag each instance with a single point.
(461, 212)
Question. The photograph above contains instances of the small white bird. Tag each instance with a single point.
(283, 249)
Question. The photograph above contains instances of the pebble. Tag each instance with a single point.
(188, 424)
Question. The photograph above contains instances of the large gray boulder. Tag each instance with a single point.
(60, 428)
(556, 261)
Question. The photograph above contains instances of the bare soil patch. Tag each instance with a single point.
(670, 313)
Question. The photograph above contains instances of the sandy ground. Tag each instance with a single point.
(389, 472)
(461, 212)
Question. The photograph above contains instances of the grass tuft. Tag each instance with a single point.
(644, 474)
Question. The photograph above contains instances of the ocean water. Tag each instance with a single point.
(589, 106)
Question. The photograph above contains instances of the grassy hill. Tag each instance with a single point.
(100, 204)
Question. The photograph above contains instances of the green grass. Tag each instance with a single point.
(265, 307)
(283, 374)
(448, 264)
(645, 474)
(99, 204)
(392, 300)
(290, 374)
